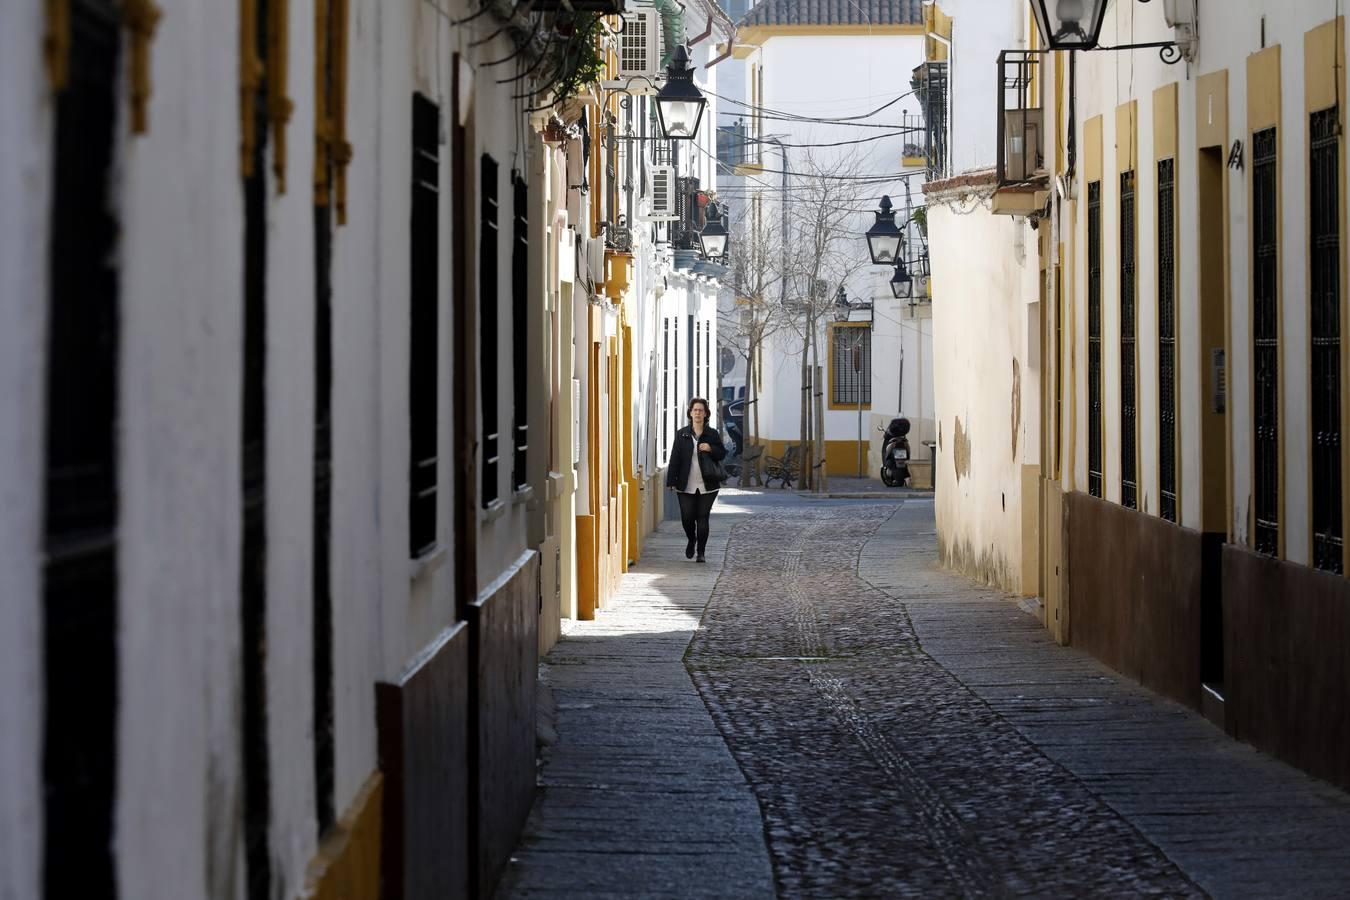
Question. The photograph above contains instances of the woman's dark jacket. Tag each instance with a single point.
(677, 473)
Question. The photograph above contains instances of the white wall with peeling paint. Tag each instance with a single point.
(984, 391)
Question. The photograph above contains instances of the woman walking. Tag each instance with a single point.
(693, 474)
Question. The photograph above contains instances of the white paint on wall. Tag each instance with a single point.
(984, 389)
(26, 120)
(180, 207)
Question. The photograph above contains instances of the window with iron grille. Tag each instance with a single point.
(253, 550)
(79, 579)
(698, 357)
(1167, 341)
(707, 360)
(487, 326)
(675, 413)
(1266, 340)
(665, 388)
(520, 328)
(1129, 418)
(851, 365)
(423, 362)
(1094, 228)
(1325, 247)
(1059, 369)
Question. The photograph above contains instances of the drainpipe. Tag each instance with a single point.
(730, 44)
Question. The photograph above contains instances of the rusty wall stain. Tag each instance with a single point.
(1016, 404)
(961, 451)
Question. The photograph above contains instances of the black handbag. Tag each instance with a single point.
(712, 469)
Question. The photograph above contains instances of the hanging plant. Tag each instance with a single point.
(579, 60)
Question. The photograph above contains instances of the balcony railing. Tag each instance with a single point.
(929, 82)
(1021, 120)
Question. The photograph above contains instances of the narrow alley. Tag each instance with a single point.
(823, 712)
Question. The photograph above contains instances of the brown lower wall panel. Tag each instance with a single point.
(1287, 661)
(1133, 590)
(423, 720)
(505, 629)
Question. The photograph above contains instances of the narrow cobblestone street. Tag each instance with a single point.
(892, 730)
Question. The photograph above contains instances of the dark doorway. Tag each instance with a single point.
(1212, 209)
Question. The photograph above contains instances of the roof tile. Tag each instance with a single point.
(835, 12)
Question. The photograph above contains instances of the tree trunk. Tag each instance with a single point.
(822, 479)
(806, 455)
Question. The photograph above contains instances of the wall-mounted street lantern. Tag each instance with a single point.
(713, 238)
(1070, 24)
(883, 238)
(679, 103)
(1077, 25)
(902, 283)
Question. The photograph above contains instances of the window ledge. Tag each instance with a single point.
(555, 485)
(492, 512)
(522, 494)
(421, 566)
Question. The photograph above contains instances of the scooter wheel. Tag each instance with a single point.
(888, 477)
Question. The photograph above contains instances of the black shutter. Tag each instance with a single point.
(423, 333)
(1094, 226)
(1325, 247)
(1266, 341)
(1129, 476)
(80, 516)
(487, 326)
(520, 325)
(253, 576)
(1167, 341)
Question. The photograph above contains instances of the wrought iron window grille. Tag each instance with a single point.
(1094, 225)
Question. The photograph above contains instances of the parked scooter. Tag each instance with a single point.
(895, 453)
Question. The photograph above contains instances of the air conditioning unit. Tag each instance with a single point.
(640, 49)
(1023, 151)
(662, 194)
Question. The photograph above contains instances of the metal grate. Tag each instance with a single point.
(1094, 225)
(1266, 340)
(1167, 341)
(520, 328)
(1129, 413)
(851, 366)
(1325, 247)
(665, 388)
(423, 337)
(80, 599)
(487, 327)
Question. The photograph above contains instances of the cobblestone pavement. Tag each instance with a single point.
(896, 731)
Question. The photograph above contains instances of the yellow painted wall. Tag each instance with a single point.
(347, 866)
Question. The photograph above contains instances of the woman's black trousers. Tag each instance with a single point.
(694, 510)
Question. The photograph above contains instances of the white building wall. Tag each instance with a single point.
(865, 72)
(26, 119)
(983, 386)
(179, 205)
(1230, 32)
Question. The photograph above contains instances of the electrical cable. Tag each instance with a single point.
(749, 142)
(836, 120)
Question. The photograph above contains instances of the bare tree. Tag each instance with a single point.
(757, 276)
(822, 253)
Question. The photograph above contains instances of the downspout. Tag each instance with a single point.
(715, 60)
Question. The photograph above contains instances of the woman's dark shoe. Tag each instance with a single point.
(700, 558)
(689, 549)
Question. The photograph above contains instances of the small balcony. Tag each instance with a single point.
(1023, 181)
